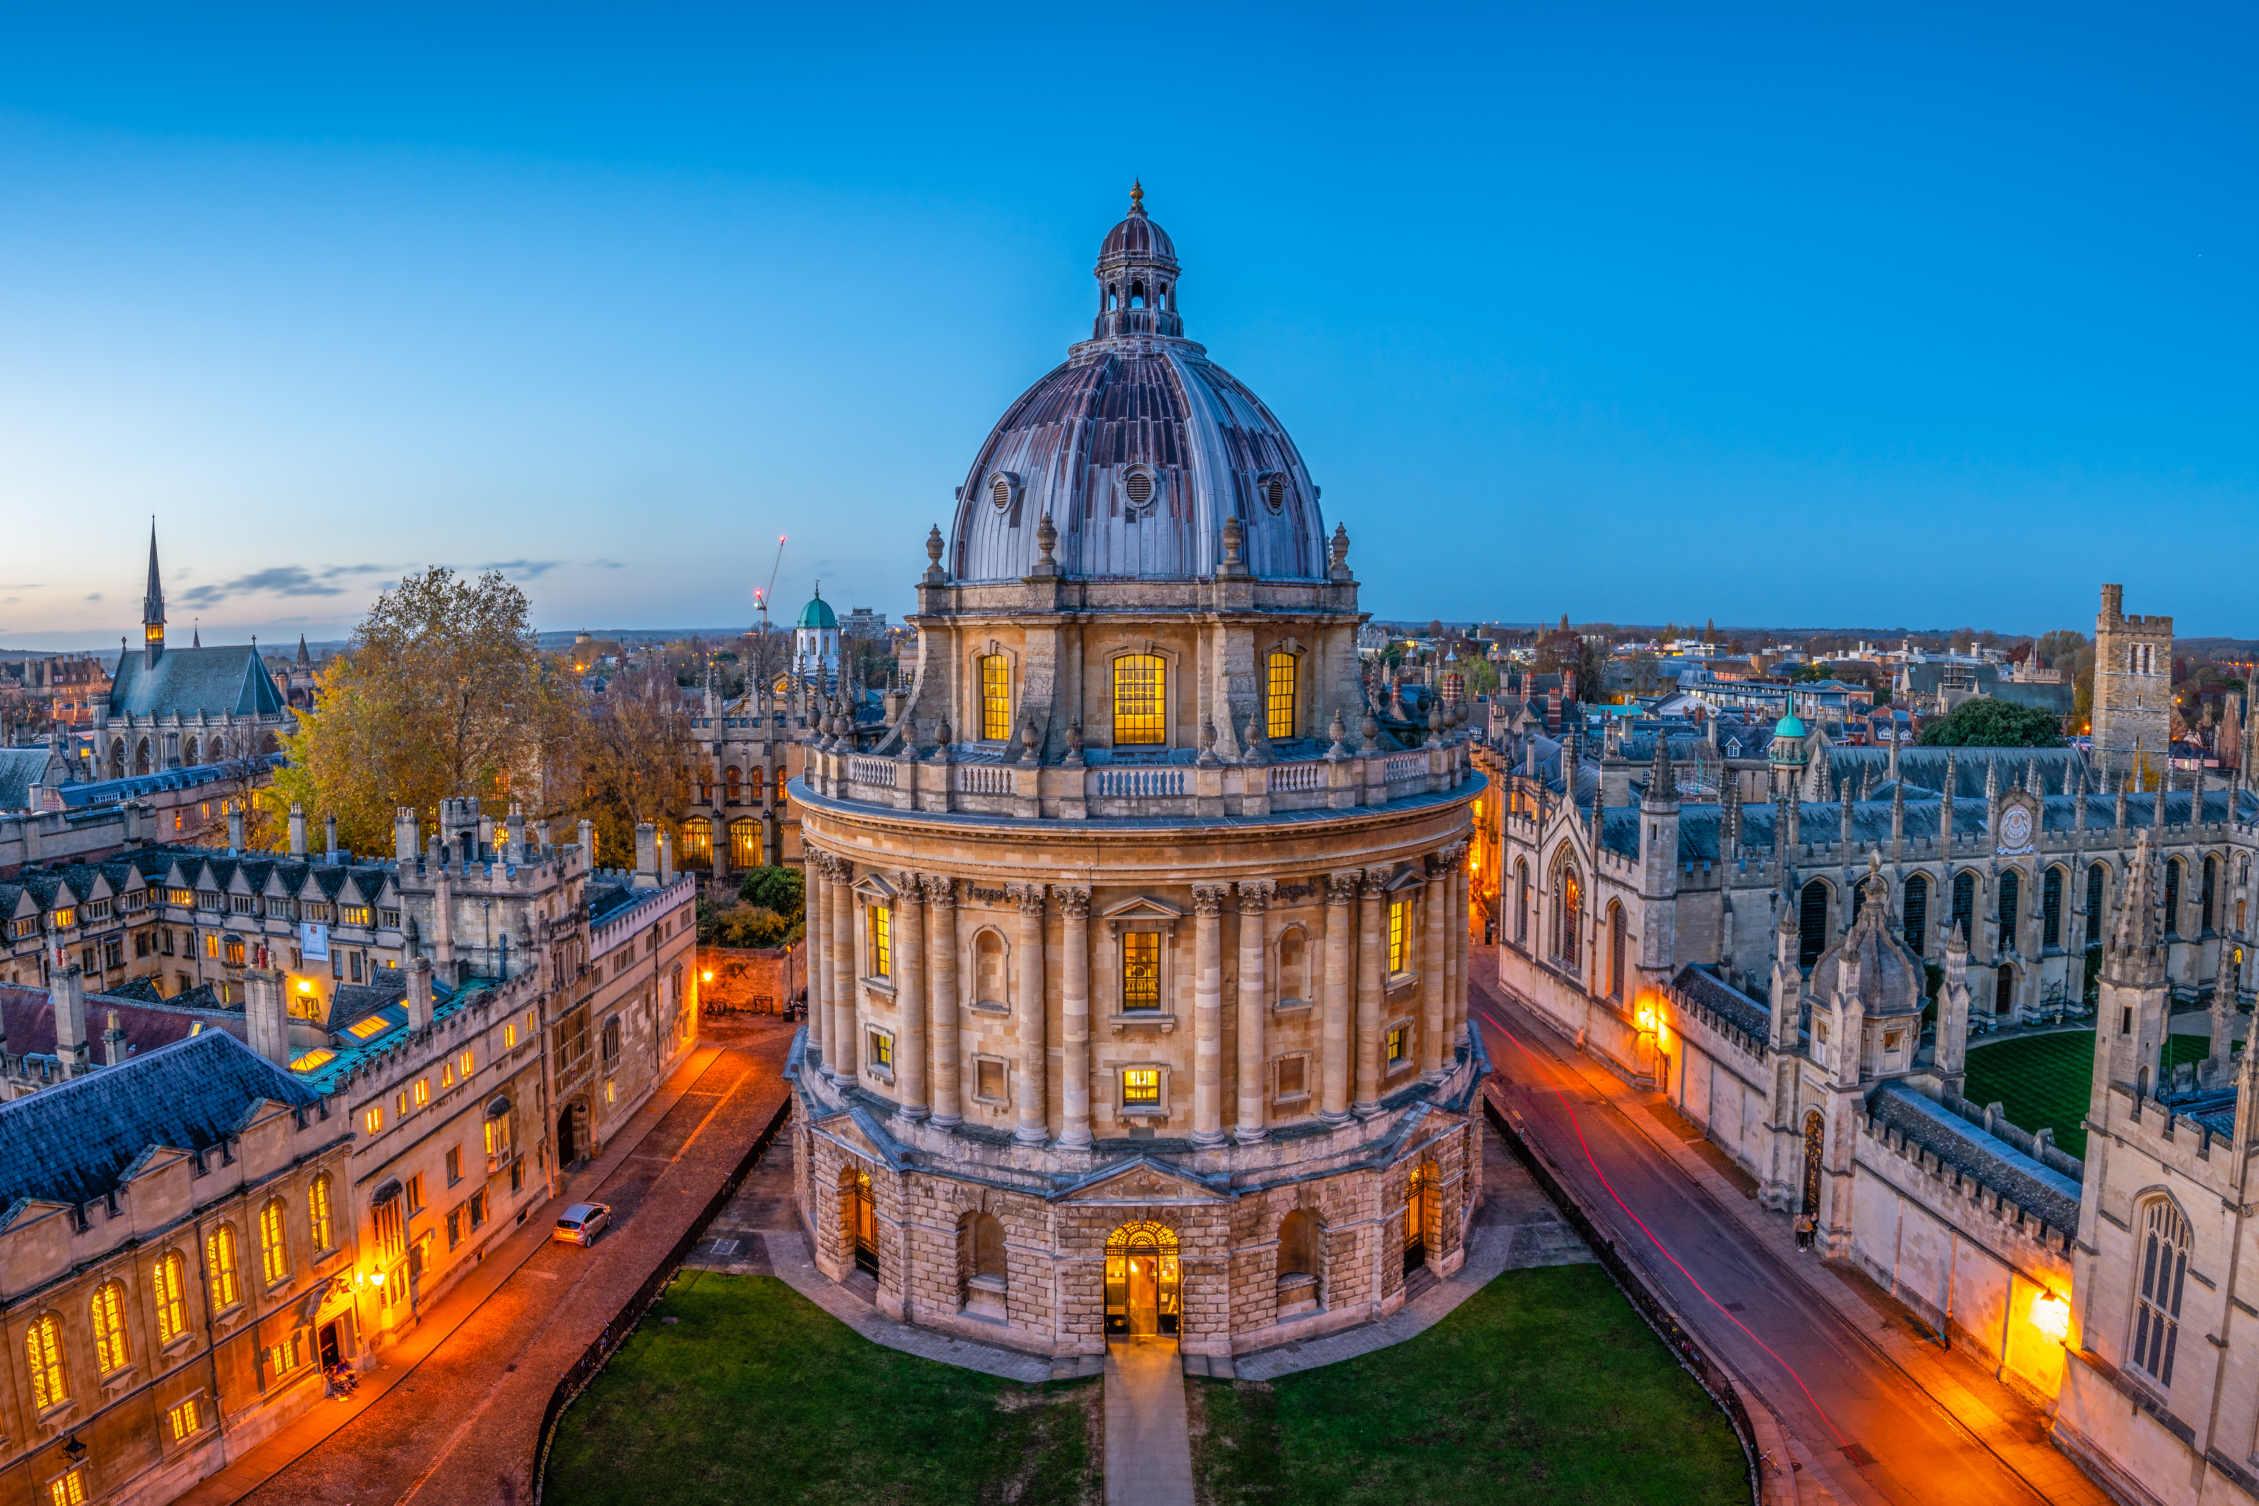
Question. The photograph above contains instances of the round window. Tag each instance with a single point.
(1274, 492)
(1000, 490)
(1138, 487)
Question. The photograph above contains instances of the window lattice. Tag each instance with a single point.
(995, 697)
(1141, 970)
(1140, 691)
(882, 941)
(2164, 1268)
(1278, 695)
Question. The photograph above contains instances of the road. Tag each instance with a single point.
(1857, 1413)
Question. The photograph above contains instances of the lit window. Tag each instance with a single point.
(1141, 970)
(879, 1050)
(274, 1244)
(745, 843)
(181, 1419)
(1278, 694)
(464, 1063)
(1399, 1041)
(68, 1488)
(882, 941)
(220, 1263)
(1140, 1086)
(697, 848)
(1399, 935)
(611, 1091)
(320, 1056)
(43, 1347)
(211, 943)
(320, 1220)
(108, 1312)
(1140, 700)
(510, 1036)
(368, 1029)
(995, 697)
(289, 1355)
(372, 1118)
(353, 915)
(170, 1279)
(400, 1104)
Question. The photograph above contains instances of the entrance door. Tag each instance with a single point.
(1144, 1293)
(866, 1224)
(568, 1143)
(1415, 1220)
(333, 1347)
(1815, 1136)
(1144, 1273)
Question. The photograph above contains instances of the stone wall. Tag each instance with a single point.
(752, 980)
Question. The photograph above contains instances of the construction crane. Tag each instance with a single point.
(761, 595)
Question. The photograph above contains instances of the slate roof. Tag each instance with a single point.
(1925, 767)
(1751, 1016)
(1991, 1161)
(75, 1142)
(28, 1017)
(222, 681)
(20, 770)
(139, 786)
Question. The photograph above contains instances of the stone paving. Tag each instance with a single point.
(1148, 1439)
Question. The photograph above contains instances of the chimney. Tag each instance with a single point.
(405, 841)
(69, 990)
(263, 1016)
(113, 1042)
(517, 830)
(646, 853)
(666, 860)
(329, 837)
(485, 835)
(297, 830)
(419, 994)
(235, 828)
(443, 926)
(588, 842)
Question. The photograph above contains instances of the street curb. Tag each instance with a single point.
(1763, 1445)
(583, 1370)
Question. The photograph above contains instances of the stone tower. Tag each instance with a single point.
(2133, 687)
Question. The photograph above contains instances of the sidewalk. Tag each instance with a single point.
(467, 1388)
(1148, 1440)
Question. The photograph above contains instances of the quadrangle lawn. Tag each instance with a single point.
(2044, 1081)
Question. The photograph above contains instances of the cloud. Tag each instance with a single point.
(94, 596)
(530, 569)
(608, 564)
(333, 572)
(275, 580)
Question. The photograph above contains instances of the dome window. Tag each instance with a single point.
(1273, 487)
(1002, 488)
(1138, 486)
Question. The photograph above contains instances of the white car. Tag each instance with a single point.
(582, 1222)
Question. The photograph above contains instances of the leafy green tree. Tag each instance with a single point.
(781, 890)
(1988, 723)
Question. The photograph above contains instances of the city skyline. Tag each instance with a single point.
(1551, 305)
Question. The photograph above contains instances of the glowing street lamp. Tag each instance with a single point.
(2051, 1315)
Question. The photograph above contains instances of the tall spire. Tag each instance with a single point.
(153, 604)
(2137, 939)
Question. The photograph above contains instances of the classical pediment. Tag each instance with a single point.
(1142, 1180)
(1141, 909)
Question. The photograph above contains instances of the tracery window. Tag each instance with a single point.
(697, 842)
(744, 843)
(274, 1244)
(1140, 700)
(321, 1219)
(2173, 897)
(170, 1278)
(995, 697)
(220, 1267)
(1568, 916)
(108, 1313)
(1811, 923)
(43, 1349)
(2157, 1308)
(1916, 913)
(1279, 694)
(2051, 908)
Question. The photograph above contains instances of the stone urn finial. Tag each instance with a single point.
(1027, 739)
(1337, 734)
(1074, 743)
(934, 546)
(1258, 742)
(1207, 758)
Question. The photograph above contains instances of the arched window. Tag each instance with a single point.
(1294, 965)
(1522, 903)
(1298, 1245)
(43, 1349)
(2009, 904)
(697, 850)
(1615, 951)
(733, 785)
(1141, 683)
(2097, 877)
(989, 981)
(1568, 915)
(1811, 923)
(995, 697)
(783, 777)
(1965, 904)
(2051, 908)
(170, 1279)
(745, 843)
(108, 1312)
(220, 1273)
(2173, 897)
(321, 1218)
(274, 1244)
(2157, 1306)
(2206, 894)
(1278, 694)
(1915, 913)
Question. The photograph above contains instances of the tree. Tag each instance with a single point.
(1987, 723)
(783, 890)
(441, 692)
(631, 752)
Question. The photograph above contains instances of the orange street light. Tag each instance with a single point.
(2051, 1315)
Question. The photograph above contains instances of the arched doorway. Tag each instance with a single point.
(2004, 990)
(568, 1137)
(1419, 1204)
(1144, 1276)
(1815, 1142)
(862, 1220)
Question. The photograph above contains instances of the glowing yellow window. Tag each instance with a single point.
(995, 697)
(108, 1313)
(320, 1056)
(43, 1347)
(1141, 1085)
(464, 1063)
(219, 1262)
(1141, 683)
(1141, 970)
(274, 1245)
(882, 941)
(320, 1221)
(171, 1282)
(423, 1091)
(1399, 935)
(368, 1029)
(69, 1487)
(1278, 695)
(181, 1419)
(510, 1036)
(372, 1120)
(1398, 1043)
(697, 841)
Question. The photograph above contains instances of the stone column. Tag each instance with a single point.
(1029, 1007)
(846, 980)
(910, 994)
(1371, 979)
(1074, 1019)
(1254, 1007)
(1435, 973)
(1207, 1015)
(817, 953)
(941, 947)
(1341, 893)
(1460, 915)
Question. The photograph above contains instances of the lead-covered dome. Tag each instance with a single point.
(1139, 448)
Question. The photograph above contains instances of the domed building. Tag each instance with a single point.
(815, 641)
(1137, 947)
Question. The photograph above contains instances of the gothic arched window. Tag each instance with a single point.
(1811, 923)
(2206, 894)
(1965, 904)
(2160, 1276)
(1915, 914)
(2173, 897)
(2009, 908)
(2097, 876)
(2051, 908)
(1568, 915)
(1616, 951)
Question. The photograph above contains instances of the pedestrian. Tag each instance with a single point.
(1806, 1227)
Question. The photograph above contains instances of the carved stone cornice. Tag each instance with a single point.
(1341, 888)
(940, 889)
(1029, 897)
(909, 887)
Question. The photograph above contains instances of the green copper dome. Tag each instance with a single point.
(1788, 738)
(818, 613)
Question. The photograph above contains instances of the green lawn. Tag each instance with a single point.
(1544, 1387)
(2042, 1081)
(756, 1394)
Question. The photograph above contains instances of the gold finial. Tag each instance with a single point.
(1137, 197)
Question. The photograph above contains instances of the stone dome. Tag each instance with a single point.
(1139, 449)
(1890, 980)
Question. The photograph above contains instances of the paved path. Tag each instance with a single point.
(1873, 1411)
(449, 1417)
(1148, 1442)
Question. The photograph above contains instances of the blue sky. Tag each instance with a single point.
(1893, 315)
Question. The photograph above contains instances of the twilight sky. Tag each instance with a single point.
(1900, 315)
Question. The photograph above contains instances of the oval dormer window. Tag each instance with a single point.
(1138, 487)
(1274, 491)
(1001, 486)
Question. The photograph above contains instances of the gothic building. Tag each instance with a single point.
(1136, 1000)
(2133, 689)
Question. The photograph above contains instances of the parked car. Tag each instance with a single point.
(582, 1223)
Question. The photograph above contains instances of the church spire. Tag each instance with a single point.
(153, 605)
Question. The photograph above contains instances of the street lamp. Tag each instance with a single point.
(2051, 1315)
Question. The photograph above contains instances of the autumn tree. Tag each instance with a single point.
(440, 692)
(630, 752)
